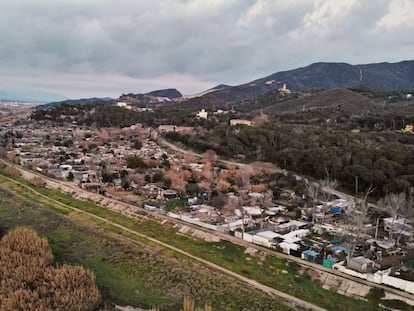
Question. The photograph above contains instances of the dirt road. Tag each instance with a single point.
(69, 187)
(288, 299)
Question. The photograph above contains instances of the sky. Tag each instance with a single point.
(86, 48)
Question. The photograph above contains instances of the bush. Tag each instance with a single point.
(37, 181)
(135, 162)
(12, 171)
(30, 282)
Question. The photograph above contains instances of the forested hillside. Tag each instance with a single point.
(384, 160)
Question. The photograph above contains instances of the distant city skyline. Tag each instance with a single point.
(105, 48)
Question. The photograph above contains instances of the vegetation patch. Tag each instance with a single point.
(130, 274)
(225, 254)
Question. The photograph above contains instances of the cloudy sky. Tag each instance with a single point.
(82, 48)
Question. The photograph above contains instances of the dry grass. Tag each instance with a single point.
(30, 282)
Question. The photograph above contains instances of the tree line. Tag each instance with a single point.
(383, 160)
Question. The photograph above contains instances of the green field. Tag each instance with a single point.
(70, 243)
(128, 273)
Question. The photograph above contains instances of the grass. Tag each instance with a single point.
(128, 274)
(270, 271)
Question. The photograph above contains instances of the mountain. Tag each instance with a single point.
(169, 93)
(83, 101)
(322, 76)
(381, 76)
(158, 97)
(343, 100)
(27, 95)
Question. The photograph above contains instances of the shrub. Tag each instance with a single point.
(37, 181)
(12, 171)
(30, 282)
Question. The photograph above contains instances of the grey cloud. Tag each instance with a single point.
(221, 41)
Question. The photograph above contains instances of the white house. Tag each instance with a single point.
(202, 114)
(234, 122)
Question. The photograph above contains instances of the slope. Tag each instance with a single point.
(319, 76)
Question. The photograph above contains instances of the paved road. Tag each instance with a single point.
(163, 142)
(288, 299)
(339, 194)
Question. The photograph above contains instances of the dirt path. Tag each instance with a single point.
(70, 187)
(288, 299)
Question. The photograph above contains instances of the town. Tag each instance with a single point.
(256, 202)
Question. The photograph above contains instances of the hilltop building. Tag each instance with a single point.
(285, 90)
(202, 114)
(234, 122)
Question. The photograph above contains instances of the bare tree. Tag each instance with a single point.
(407, 212)
(38, 181)
(232, 203)
(327, 185)
(264, 202)
(12, 157)
(178, 178)
(189, 157)
(223, 185)
(12, 171)
(207, 182)
(312, 191)
(242, 199)
(394, 204)
(244, 174)
(211, 156)
(138, 179)
(357, 218)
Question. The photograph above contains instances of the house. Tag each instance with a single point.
(252, 210)
(65, 170)
(310, 255)
(169, 194)
(289, 248)
(342, 204)
(361, 264)
(287, 193)
(284, 89)
(202, 114)
(85, 176)
(121, 104)
(266, 238)
(291, 225)
(329, 262)
(409, 128)
(274, 210)
(234, 122)
(398, 226)
(381, 244)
